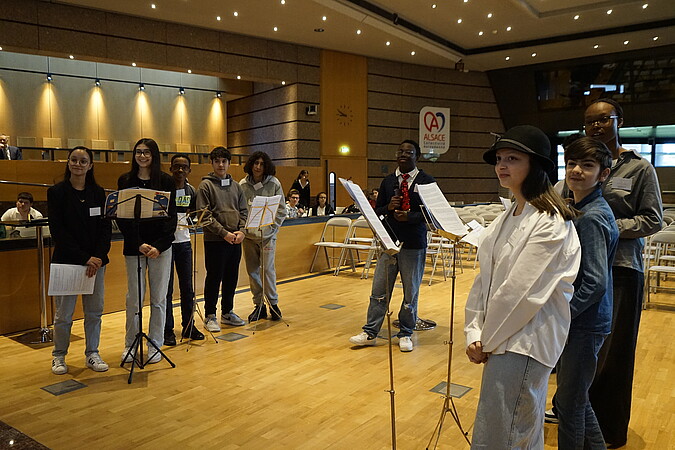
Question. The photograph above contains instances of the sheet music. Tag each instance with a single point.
(356, 193)
(476, 235)
(263, 211)
(117, 203)
(443, 215)
(69, 279)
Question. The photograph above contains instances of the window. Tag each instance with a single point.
(664, 154)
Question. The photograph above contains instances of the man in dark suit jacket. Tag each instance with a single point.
(7, 151)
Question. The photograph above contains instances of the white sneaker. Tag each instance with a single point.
(95, 363)
(128, 356)
(362, 338)
(59, 366)
(153, 356)
(211, 323)
(405, 344)
(233, 319)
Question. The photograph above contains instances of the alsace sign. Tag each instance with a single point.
(434, 130)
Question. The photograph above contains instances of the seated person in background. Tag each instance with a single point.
(322, 207)
(293, 207)
(8, 151)
(372, 197)
(302, 185)
(23, 211)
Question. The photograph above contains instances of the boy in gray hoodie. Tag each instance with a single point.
(223, 225)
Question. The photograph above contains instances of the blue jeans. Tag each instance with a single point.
(92, 304)
(158, 277)
(512, 401)
(182, 260)
(578, 427)
(410, 264)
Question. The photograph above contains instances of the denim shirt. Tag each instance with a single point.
(591, 304)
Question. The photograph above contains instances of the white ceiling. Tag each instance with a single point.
(546, 29)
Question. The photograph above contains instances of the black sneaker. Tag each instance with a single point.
(259, 312)
(275, 312)
(170, 339)
(193, 333)
(550, 416)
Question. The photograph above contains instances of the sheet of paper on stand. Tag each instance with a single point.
(476, 235)
(356, 193)
(121, 204)
(443, 215)
(69, 279)
(263, 211)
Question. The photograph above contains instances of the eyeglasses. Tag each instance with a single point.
(81, 162)
(295, 198)
(142, 153)
(603, 121)
(405, 152)
(177, 167)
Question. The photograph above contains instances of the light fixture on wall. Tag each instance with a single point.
(181, 91)
(218, 94)
(97, 83)
(49, 77)
(344, 149)
(141, 87)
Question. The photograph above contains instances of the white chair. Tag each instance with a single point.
(663, 248)
(333, 226)
(356, 243)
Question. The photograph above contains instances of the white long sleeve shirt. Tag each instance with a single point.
(519, 301)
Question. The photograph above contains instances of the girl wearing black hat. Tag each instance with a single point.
(517, 312)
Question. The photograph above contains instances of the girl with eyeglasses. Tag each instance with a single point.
(81, 236)
(151, 240)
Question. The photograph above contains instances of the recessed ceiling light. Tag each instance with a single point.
(283, 2)
(238, 77)
(153, 6)
(358, 31)
(235, 14)
(489, 16)
(466, 1)
(596, 46)
(609, 11)
(388, 43)
(189, 70)
(324, 18)
(626, 42)
(133, 64)
(319, 30)
(645, 6)
(655, 38)
(459, 20)
(0, 49)
(508, 28)
(577, 17)
(283, 83)
(534, 54)
(72, 57)
(433, 6)
(480, 33)
(218, 18)
(412, 53)
(276, 29)
(507, 58)
(494, 31)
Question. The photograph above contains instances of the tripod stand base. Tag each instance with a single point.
(135, 354)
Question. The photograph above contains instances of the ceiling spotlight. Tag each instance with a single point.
(507, 58)
(577, 17)
(235, 14)
(218, 18)
(189, 70)
(626, 42)
(141, 87)
(388, 43)
(238, 77)
(609, 11)
(49, 77)
(489, 16)
(133, 64)
(508, 28)
(181, 91)
(0, 49)
(97, 82)
(412, 53)
(283, 2)
(324, 18)
(466, 1)
(645, 6)
(319, 30)
(433, 6)
(358, 31)
(218, 94)
(655, 38)
(596, 46)
(480, 33)
(283, 83)
(534, 54)
(459, 20)
(71, 56)
(153, 6)
(276, 29)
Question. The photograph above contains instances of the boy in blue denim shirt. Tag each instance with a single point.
(588, 163)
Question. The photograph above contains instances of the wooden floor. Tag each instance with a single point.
(296, 387)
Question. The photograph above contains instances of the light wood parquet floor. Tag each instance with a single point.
(296, 387)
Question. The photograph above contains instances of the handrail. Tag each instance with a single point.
(24, 183)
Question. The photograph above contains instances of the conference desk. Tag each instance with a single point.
(20, 296)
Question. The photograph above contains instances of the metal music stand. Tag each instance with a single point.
(135, 353)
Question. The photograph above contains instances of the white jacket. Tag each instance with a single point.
(527, 310)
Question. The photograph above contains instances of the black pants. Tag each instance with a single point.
(181, 259)
(222, 271)
(611, 391)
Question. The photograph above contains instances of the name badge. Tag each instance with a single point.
(225, 182)
(625, 184)
(257, 186)
(180, 192)
(93, 212)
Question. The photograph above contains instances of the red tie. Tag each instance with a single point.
(405, 195)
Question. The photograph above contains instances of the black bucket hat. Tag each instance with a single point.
(527, 139)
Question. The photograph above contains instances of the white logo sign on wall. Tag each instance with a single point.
(434, 131)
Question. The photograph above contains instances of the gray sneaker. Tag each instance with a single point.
(95, 363)
(233, 319)
(211, 323)
(59, 366)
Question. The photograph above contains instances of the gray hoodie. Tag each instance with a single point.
(226, 209)
(271, 186)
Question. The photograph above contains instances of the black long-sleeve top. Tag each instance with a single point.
(157, 232)
(77, 224)
(413, 232)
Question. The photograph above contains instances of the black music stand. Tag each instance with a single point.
(135, 353)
